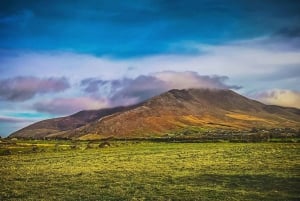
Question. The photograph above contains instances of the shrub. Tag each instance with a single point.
(56, 147)
(89, 145)
(104, 144)
(7, 152)
(34, 149)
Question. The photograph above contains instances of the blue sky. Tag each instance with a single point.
(59, 57)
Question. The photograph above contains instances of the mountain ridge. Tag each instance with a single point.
(208, 109)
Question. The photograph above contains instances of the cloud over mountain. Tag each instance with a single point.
(132, 90)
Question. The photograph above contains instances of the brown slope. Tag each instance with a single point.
(168, 112)
(176, 109)
(50, 127)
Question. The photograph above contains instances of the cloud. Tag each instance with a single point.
(68, 64)
(129, 91)
(63, 106)
(292, 72)
(257, 64)
(4, 119)
(91, 84)
(23, 88)
(242, 61)
(189, 79)
(282, 97)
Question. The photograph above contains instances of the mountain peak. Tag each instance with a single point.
(208, 109)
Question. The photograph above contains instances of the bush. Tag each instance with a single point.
(7, 152)
(34, 149)
(56, 147)
(104, 144)
(73, 146)
(89, 145)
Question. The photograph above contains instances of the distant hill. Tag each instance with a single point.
(170, 112)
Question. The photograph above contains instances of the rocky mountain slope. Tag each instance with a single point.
(168, 113)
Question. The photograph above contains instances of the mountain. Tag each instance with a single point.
(57, 125)
(166, 114)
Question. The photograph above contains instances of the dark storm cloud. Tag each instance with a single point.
(24, 88)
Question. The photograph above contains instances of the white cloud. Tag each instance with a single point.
(256, 65)
(242, 62)
(189, 79)
(282, 97)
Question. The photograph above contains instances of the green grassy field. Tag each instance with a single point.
(152, 171)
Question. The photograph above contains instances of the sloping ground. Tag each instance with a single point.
(171, 111)
(57, 125)
(176, 109)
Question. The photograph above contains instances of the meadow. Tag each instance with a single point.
(50, 170)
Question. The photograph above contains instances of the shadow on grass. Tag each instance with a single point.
(257, 187)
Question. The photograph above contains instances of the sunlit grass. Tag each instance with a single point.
(155, 171)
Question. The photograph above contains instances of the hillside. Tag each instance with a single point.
(53, 126)
(168, 113)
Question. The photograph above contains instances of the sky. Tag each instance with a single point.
(60, 57)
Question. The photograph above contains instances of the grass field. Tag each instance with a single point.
(152, 171)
